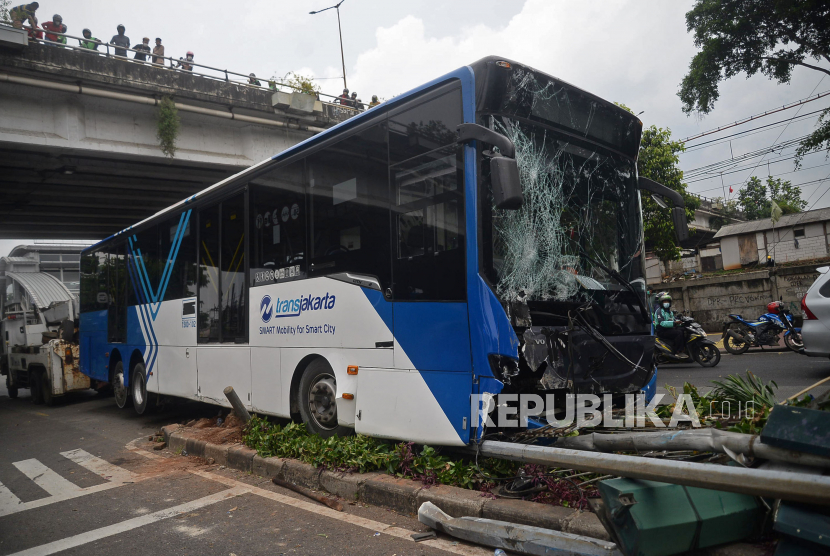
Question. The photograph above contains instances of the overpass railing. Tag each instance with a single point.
(332, 106)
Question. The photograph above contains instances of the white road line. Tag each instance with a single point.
(117, 528)
(8, 501)
(372, 525)
(45, 478)
(100, 467)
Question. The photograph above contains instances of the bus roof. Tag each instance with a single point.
(475, 75)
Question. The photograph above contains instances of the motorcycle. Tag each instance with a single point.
(698, 347)
(740, 334)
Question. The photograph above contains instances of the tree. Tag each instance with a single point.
(4, 11)
(767, 36)
(727, 213)
(301, 83)
(755, 198)
(658, 160)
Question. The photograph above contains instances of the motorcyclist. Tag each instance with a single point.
(667, 326)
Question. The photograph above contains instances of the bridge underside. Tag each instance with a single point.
(74, 195)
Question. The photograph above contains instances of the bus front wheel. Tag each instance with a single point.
(316, 397)
(119, 389)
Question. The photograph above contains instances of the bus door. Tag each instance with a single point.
(428, 390)
(223, 356)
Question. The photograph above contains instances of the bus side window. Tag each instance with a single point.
(277, 226)
(426, 167)
(178, 242)
(117, 294)
(209, 310)
(349, 197)
(94, 289)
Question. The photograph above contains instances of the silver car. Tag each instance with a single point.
(815, 306)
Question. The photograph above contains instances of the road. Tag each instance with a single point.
(70, 485)
(791, 371)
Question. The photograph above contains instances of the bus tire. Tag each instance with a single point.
(118, 388)
(138, 388)
(316, 399)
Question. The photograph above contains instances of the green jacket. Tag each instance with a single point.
(91, 43)
(664, 318)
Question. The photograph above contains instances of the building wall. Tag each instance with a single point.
(731, 253)
(711, 300)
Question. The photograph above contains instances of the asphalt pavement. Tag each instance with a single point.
(791, 371)
(71, 483)
(74, 480)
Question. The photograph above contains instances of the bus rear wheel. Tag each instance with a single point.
(138, 388)
(34, 387)
(119, 389)
(12, 390)
(316, 397)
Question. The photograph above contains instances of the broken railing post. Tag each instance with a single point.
(236, 403)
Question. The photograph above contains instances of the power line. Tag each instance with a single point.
(782, 131)
(799, 185)
(720, 140)
(756, 116)
(735, 170)
(731, 162)
(723, 186)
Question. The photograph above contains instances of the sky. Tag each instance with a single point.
(635, 52)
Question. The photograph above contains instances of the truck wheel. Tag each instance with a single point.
(316, 398)
(11, 389)
(34, 387)
(138, 388)
(118, 387)
(46, 390)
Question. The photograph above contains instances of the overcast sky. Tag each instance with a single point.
(634, 52)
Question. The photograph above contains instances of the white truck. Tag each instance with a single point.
(39, 333)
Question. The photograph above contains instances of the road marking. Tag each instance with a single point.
(370, 524)
(7, 499)
(100, 467)
(59, 488)
(45, 478)
(118, 528)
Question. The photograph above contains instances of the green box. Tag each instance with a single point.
(650, 518)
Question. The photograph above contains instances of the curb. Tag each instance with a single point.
(405, 495)
(380, 489)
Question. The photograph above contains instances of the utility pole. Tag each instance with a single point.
(340, 32)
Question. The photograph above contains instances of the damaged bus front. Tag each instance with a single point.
(565, 261)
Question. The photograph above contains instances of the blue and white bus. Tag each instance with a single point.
(380, 275)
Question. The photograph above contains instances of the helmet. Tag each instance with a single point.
(354, 95)
(252, 74)
(664, 297)
(346, 91)
(121, 26)
(57, 18)
(374, 98)
(774, 307)
(85, 31)
(190, 53)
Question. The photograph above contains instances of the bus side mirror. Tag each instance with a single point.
(507, 189)
(678, 211)
(504, 171)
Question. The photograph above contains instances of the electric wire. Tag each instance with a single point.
(800, 102)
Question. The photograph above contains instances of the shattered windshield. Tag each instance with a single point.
(580, 213)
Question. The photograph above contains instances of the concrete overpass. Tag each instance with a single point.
(79, 156)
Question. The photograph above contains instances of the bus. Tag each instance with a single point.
(476, 236)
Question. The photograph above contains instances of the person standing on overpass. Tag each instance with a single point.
(24, 13)
(89, 42)
(144, 50)
(158, 53)
(122, 41)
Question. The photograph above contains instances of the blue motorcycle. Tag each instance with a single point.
(740, 334)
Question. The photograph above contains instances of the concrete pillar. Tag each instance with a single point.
(687, 302)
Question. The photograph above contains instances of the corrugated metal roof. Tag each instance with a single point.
(44, 288)
(818, 215)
